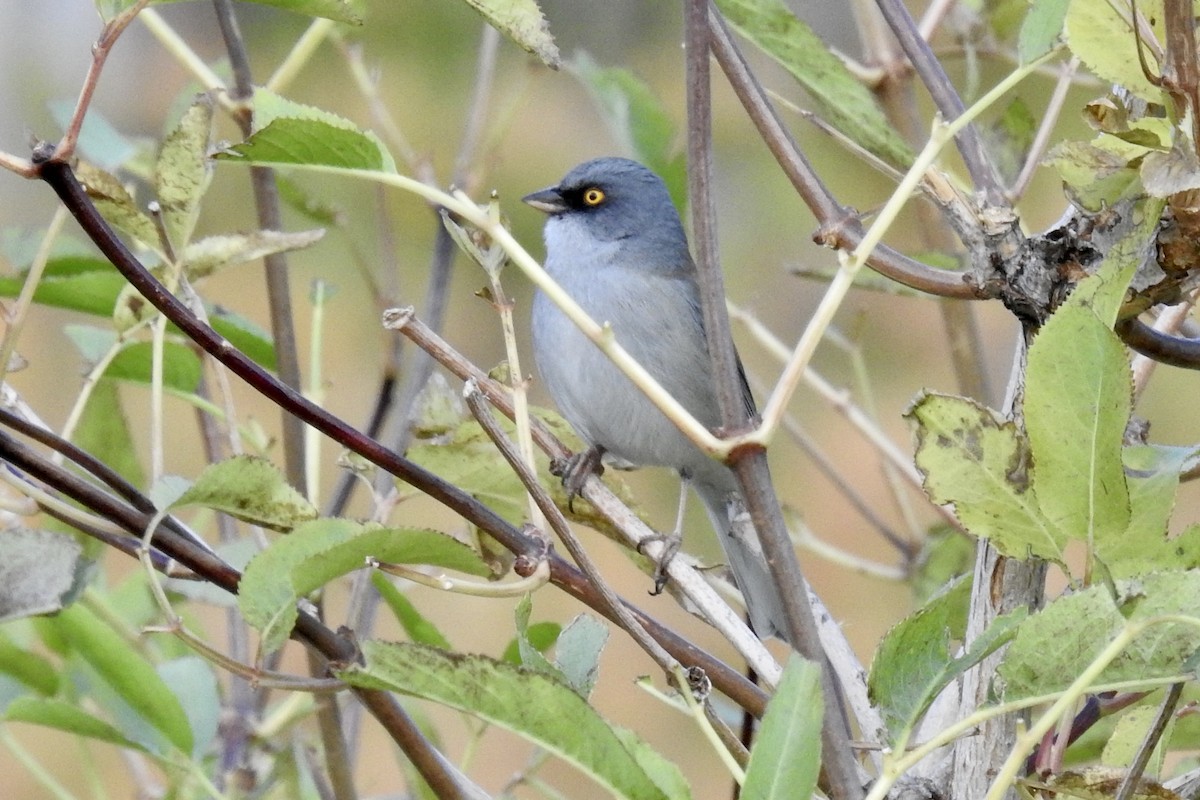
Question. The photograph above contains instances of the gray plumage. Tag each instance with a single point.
(623, 256)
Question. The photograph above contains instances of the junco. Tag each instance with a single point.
(615, 243)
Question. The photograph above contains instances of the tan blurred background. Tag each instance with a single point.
(542, 123)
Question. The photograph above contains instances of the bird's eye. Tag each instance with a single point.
(593, 197)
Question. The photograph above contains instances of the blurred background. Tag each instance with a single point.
(540, 124)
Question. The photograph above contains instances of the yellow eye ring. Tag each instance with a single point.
(593, 196)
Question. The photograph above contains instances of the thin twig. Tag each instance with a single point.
(100, 51)
(275, 265)
(945, 97)
(839, 227)
(1041, 139)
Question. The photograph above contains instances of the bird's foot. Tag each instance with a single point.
(575, 470)
(671, 543)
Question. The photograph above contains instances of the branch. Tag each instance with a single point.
(839, 227)
(945, 97)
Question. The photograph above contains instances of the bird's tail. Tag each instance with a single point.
(745, 555)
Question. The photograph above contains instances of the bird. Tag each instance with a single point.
(615, 244)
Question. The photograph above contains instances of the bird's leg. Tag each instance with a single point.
(576, 469)
(671, 541)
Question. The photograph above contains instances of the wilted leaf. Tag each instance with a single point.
(204, 257)
(183, 170)
(521, 21)
(38, 569)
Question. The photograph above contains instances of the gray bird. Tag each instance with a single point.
(615, 243)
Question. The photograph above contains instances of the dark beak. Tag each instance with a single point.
(549, 200)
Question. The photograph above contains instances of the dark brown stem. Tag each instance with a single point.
(839, 227)
(279, 298)
(1163, 348)
(1133, 776)
(945, 97)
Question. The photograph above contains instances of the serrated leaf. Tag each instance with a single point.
(1153, 476)
(533, 705)
(523, 23)
(68, 717)
(786, 758)
(1078, 398)
(38, 571)
(286, 132)
(212, 253)
(251, 489)
(981, 465)
(1057, 644)
(183, 171)
(417, 626)
(840, 98)
(914, 663)
(1104, 42)
(129, 675)
(637, 120)
(317, 552)
(577, 652)
(1041, 28)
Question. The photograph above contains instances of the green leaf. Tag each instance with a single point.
(252, 489)
(1098, 174)
(981, 465)
(65, 716)
(104, 432)
(577, 652)
(1057, 644)
(838, 95)
(522, 22)
(469, 460)
(417, 626)
(1078, 398)
(637, 120)
(530, 704)
(1153, 476)
(181, 365)
(786, 758)
(28, 667)
(183, 171)
(914, 662)
(286, 132)
(319, 551)
(532, 641)
(244, 335)
(39, 571)
(1104, 42)
(1041, 28)
(212, 253)
(79, 283)
(117, 206)
(123, 669)
(193, 681)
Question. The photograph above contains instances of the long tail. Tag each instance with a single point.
(745, 556)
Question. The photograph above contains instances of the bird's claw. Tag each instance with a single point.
(575, 470)
(671, 543)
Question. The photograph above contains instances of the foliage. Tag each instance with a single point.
(1061, 474)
